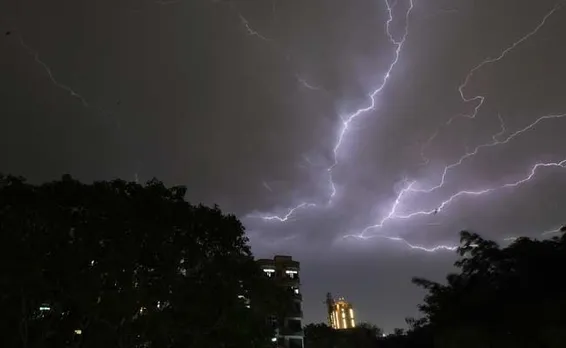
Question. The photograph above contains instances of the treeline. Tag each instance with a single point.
(511, 297)
(117, 264)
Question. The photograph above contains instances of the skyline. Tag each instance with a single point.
(357, 137)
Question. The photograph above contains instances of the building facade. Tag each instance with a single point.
(340, 313)
(286, 271)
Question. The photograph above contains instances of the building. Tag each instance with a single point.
(340, 313)
(286, 271)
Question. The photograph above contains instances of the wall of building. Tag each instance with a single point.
(286, 271)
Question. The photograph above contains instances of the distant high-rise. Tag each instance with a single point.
(340, 313)
(286, 270)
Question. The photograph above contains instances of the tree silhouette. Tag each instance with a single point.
(502, 297)
(364, 335)
(118, 264)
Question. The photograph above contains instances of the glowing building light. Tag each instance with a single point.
(269, 272)
(340, 309)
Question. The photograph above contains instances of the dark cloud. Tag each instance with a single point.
(242, 102)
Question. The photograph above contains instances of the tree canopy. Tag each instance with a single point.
(118, 264)
(502, 297)
(364, 335)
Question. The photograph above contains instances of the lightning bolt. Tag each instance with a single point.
(398, 46)
(556, 230)
(424, 158)
(50, 74)
(251, 31)
(267, 187)
(306, 84)
(493, 143)
(393, 215)
(287, 216)
(497, 59)
(409, 188)
(479, 99)
(545, 233)
(440, 247)
(348, 119)
(52, 77)
(422, 248)
(406, 243)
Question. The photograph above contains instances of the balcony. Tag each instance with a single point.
(286, 280)
(291, 331)
(294, 311)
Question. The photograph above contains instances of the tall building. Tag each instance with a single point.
(340, 313)
(286, 271)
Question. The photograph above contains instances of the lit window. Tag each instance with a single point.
(269, 272)
(292, 274)
(296, 291)
(78, 332)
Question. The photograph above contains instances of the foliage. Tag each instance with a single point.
(322, 336)
(128, 266)
(502, 297)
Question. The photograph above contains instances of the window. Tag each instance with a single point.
(295, 343)
(292, 274)
(269, 272)
(273, 321)
(294, 325)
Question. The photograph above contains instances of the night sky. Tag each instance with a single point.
(245, 102)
